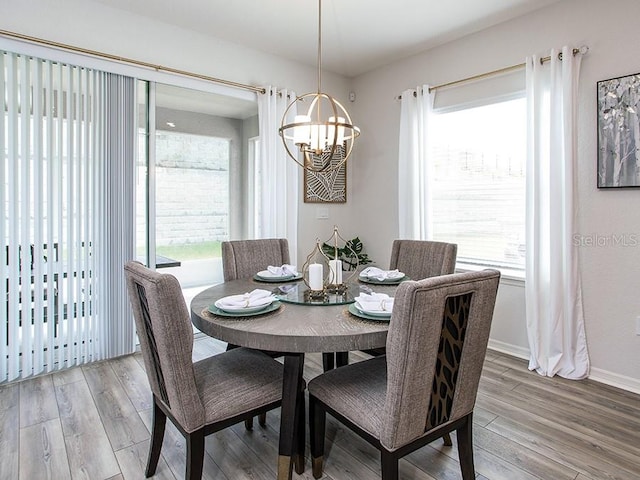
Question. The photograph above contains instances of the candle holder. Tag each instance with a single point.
(311, 296)
(336, 283)
(313, 274)
(327, 259)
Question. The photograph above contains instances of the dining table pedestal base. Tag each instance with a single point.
(292, 434)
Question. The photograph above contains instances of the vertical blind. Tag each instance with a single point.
(67, 144)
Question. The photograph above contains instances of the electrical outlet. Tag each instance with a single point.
(637, 325)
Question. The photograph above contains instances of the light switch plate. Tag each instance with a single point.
(322, 213)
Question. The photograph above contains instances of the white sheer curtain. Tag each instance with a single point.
(414, 201)
(555, 322)
(280, 174)
(67, 215)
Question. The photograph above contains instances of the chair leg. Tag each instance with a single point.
(328, 361)
(157, 434)
(389, 464)
(195, 455)
(262, 420)
(464, 435)
(248, 424)
(342, 359)
(317, 424)
(446, 438)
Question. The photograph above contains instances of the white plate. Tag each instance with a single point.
(373, 313)
(238, 309)
(269, 308)
(267, 275)
(359, 313)
(391, 276)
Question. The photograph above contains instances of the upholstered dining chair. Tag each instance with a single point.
(202, 397)
(420, 259)
(245, 258)
(426, 385)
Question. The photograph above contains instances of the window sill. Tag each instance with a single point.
(508, 276)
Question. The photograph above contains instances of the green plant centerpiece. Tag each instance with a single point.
(351, 253)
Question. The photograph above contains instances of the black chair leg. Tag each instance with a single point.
(389, 464)
(317, 425)
(262, 420)
(195, 455)
(446, 438)
(464, 435)
(157, 434)
(328, 361)
(342, 359)
(248, 424)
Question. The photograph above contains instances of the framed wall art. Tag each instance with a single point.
(619, 132)
(330, 186)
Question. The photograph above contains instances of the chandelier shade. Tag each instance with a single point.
(322, 138)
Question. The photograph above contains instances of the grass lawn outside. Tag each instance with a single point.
(191, 251)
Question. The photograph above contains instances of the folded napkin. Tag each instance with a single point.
(374, 302)
(379, 274)
(283, 271)
(256, 298)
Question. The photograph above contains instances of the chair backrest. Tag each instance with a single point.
(166, 340)
(422, 258)
(436, 346)
(245, 258)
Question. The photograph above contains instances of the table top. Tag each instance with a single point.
(295, 328)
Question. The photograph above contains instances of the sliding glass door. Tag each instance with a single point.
(197, 152)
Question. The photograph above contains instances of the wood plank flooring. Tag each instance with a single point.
(93, 423)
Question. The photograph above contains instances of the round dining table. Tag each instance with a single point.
(294, 327)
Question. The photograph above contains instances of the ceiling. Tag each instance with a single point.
(357, 35)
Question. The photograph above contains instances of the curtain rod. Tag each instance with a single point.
(582, 51)
(130, 61)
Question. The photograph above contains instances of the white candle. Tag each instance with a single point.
(335, 272)
(315, 276)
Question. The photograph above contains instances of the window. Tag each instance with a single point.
(478, 182)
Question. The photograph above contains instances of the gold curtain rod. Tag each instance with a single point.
(582, 50)
(130, 61)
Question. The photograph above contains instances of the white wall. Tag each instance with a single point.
(611, 274)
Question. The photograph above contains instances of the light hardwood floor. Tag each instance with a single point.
(93, 422)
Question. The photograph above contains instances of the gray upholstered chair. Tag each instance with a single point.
(426, 385)
(202, 397)
(420, 259)
(245, 258)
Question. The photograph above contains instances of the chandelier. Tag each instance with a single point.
(322, 139)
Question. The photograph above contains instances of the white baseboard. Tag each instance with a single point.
(615, 380)
(596, 374)
(509, 349)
